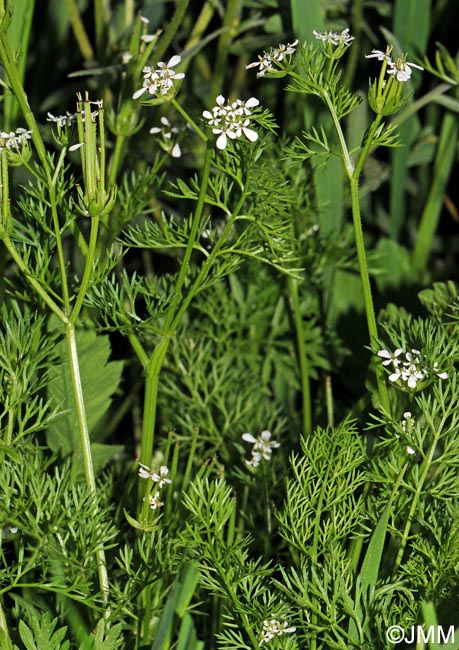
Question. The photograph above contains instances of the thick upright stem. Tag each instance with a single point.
(86, 451)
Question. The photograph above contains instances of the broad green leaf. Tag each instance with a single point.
(100, 379)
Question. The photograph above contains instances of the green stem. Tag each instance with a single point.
(366, 288)
(302, 356)
(86, 451)
(171, 28)
(79, 31)
(88, 270)
(7, 59)
(188, 119)
(59, 247)
(230, 24)
(5, 219)
(156, 361)
(100, 22)
(116, 159)
(353, 174)
(192, 239)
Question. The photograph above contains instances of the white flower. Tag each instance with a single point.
(408, 421)
(160, 478)
(344, 38)
(412, 369)
(156, 477)
(154, 501)
(231, 120)
(262, 447)
(159, 81)
(274, 55)
(148, 38)
(61, 120)
(441, 375)
(273, 627)
(167, 131)
(378, 54)
(410, 450)
(401, 69)
(390, 357)
(14, 139)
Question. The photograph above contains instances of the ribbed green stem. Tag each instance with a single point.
(366, 289)
(86, 450)
(353, 174)
(7, 59)
(302, 356)
(230, 24)
(79, 31)
(88, 270)
(174, 312)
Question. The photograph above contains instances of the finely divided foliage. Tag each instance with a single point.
(229, 404)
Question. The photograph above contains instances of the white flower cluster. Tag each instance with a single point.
(401, 68)
(61, 120)
(262, 447)
(344, 38)
(159, 81)
(273, 627)
(166, 132)
(231, 120)
(157, 477)
(268, 59)
(14, 139)
(410, 368)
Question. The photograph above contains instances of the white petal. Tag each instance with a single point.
(176, 151)
(248, 438)
(221, 141)
(253, 101)
(139, 92)
(175, 60)
(250, 134)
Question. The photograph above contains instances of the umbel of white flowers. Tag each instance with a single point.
(159, 81)
(231, 120)
(409, 367)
